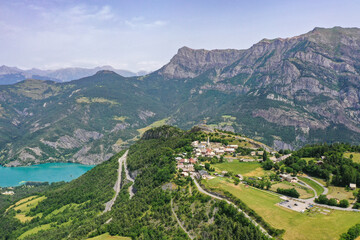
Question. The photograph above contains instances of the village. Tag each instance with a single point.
(197, 165)
(207, 149)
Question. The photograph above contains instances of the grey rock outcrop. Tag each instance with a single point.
(189, 63)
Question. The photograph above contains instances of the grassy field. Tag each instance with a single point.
(243, 168)
(308, 159)
(107, 236)
(154, 124)
(72, 206)
(356, 156)
(340, 193)
(297, 225)
(22, 201)
(319, 190)
(35, 230)
(24, 206)
(304, 193)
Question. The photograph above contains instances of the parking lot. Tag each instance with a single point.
(295, 205)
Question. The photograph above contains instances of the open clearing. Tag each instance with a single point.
(313, 225)
(307, 159)
(107, 236)
(340, 193)
(243, 168)
(356, 156)
(154, 124)
(319, 190)
(24, 206)
(35, 230)
(18, 203)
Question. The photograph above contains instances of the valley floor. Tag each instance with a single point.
(315, 224)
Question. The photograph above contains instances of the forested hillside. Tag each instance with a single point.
(74, 210)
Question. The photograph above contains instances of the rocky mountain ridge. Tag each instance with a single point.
(283, 92)
(314, 78)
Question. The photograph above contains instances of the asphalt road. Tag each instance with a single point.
(117, 185)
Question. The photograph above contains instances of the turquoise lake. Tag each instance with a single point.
(47, 172)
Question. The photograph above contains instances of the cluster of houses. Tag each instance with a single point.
(8, 192)
(207, 149)
(186, 165)
(289, 178)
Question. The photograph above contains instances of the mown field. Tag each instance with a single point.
(243, 168)
(304, 192)
(340, 193)
(299, 226)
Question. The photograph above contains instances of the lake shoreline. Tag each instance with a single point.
(44, 172)
(15, 166)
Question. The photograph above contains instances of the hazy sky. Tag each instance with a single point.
(144, 35)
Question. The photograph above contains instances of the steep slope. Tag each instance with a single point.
(284, 92)
(189, 63)
(287, 92)
(83, 121)
(74, 210)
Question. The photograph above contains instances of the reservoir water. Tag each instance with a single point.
(47, 172)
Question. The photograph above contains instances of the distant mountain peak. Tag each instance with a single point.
(10, 75)
(105, 72)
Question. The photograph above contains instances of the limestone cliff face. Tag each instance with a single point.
(189, 63)
(315, 77)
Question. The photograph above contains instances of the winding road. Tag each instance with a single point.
(178, 221)
(128, 177)
(220, 198)
(117, 185)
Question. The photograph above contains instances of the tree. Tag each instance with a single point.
(207, 166)
(332, 202)
(265, 156)
(267, 165)
(344, 203)
(322, 199)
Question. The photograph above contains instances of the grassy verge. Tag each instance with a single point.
(319, 190)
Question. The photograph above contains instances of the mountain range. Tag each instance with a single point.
(283, 92)
(11, 75)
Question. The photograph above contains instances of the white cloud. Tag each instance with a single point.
(140, 22)
(78, 15)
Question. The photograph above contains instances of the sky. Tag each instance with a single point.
(145, 35)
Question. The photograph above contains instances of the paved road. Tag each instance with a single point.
(326, 190)
(128, 177)
(220, 198)
(311, 201)
(117, 185)
(177, 219)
